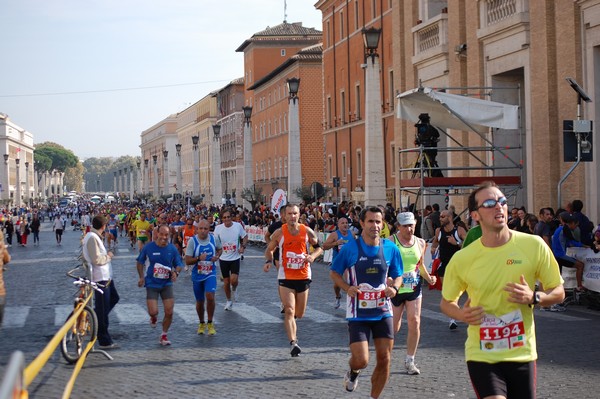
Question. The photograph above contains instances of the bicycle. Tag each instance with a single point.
(85, 328)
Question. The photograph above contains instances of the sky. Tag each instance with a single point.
(92, 75)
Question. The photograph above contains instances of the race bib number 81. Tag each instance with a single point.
(371, 299)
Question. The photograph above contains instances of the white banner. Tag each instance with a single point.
(591, 267)
(279, 199)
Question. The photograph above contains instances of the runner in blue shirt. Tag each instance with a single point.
(162, 264)
(202, 251)
(370, 260)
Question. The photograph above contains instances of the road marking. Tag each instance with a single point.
(15, 316)
(430, 314)
(322, 317)
(187, 311)
(61, 312)
(252, 314)
(131, 314)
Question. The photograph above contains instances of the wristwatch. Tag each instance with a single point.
(536, 298)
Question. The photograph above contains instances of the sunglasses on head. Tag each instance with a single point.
(490, 203)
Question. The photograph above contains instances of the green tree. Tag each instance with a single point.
(252, 195)
(61, 158)
(74, 178)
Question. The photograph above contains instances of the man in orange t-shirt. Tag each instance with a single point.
(294, 273)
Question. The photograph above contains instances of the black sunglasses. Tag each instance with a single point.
(490, 203)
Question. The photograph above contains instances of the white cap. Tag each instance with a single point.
(405, 218)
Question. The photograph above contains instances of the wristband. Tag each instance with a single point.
(268, 261)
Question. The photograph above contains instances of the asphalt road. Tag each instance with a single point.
(249, 356)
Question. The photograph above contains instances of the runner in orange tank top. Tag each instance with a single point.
(294, 274)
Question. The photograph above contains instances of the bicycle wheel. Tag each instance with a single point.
(77, 338)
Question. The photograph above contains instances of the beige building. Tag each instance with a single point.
(17, 171)
(155, 141)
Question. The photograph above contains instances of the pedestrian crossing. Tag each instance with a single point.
(136, 314)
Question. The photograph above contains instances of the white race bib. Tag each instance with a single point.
(502, 333)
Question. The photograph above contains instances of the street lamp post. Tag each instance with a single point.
(374, 147)
(196, 172)
(137, 185)
(248, 180)
(155, 177)
(27, 188)
(18, 185)
(5, 180)
(146, 188)
(217, 188)
(294, 164)
(179, 184)
(125, 180)
(166, 171)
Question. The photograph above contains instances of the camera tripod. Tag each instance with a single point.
(432, 169)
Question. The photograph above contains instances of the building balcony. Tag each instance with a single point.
(430, 39)
(502, 17)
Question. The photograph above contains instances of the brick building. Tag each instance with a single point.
(511, 51)
(344, 94)
(270, 58)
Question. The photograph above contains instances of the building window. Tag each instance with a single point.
(392, 90)
(344, 166)
(356, 19)
(327, 35)
(359, 167)
(357, 111)
(393, 158)
(280, 167)
(269, 169)
(285, 165)
(329, 112)
(342, 107)
(329, 167)
(341, 25)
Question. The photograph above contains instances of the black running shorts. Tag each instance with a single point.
(514, 380)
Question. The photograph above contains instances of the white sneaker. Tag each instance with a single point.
(228, 305)
(411, 369)
(337, 303)
(452, 325)
(351, 380)
(235, 296)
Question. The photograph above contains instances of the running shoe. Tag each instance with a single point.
(282, 308)
(351, 380)
(228, 305)
(164, 341)
(556, 308)
(109, 346)
(452, 325)
(235, 296)
(211, 329)
(411, 369)
(153, 321)
(201, 328)
(295, 349)
(338, 303)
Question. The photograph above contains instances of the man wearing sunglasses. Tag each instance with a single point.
(499, 272)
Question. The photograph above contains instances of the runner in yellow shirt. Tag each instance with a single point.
(142, 230)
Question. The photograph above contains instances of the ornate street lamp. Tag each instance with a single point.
(248, 169)
(371, 40)
(374, 147)
(294, 163)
